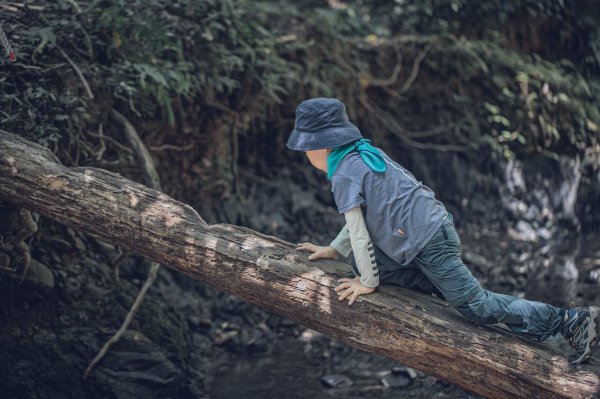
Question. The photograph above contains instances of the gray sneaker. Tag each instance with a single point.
(582, 329)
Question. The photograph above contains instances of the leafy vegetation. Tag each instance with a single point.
(450, 75)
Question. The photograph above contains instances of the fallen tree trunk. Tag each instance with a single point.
(417, 330)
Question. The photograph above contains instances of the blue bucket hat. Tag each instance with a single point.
(321, 123)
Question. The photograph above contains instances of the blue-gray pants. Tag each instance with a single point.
(438, 268)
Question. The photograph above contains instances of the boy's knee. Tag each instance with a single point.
(487, 314)
(475, 315)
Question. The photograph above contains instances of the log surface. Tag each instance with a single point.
(417, 330)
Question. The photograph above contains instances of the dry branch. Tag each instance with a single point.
(417, 330)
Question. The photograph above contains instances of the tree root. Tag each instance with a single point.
(415, 71)
(388, 122)
(29, 228)
(152, 180)
(136, 304)
(86, 86)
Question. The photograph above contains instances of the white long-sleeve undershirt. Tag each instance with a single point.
(354, 236)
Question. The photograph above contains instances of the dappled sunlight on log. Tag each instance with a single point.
(314, 288)
(133, 200)
(159, 213)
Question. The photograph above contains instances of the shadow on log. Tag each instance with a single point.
(417, 330)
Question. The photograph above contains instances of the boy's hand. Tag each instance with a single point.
(351, 287)
(318, 252)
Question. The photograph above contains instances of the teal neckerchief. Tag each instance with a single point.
(368, 153)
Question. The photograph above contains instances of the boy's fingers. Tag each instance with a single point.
(317, 254)
(343, 286)
(345, 294)
(304, 248)
(344, 279)
(353, 298)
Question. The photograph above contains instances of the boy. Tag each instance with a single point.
(399, 233)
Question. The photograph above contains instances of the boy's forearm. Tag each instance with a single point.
(363, 249)
(342, 242)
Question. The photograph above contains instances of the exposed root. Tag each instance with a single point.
(151, 180)
(116, 263)
(138, 301)
(29, 228)
(388, 122)
(415, 71)
(86, 86)
(171, 147)
(102, 144)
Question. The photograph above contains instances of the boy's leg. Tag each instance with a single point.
(440, 261)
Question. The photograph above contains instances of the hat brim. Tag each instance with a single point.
(328, 138)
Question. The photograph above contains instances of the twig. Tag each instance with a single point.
(115, 142)
(102, 145)
(434, 131)
(138, 301)
(16, 6)
(234, 165)
(171, 147)
(116, 263)
(9, 8)
(392, 79)
(259, 179)
(77, 71)
(75, 5)
(128, 101)
(415, 71)
(213, 104)
(29, 228)
(401, 133)
(139, 149)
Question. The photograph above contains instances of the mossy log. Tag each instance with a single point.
(414, 329)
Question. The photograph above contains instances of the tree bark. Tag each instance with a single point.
(414, 329)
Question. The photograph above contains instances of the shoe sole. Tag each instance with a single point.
(593, 330)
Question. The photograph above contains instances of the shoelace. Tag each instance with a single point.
(579, 335)
(572, 338)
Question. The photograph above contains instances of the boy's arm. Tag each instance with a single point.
(362, 247)
(341, 243)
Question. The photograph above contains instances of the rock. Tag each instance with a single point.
(477, 260)
(39, 275)
(396, 381)
(404, 370)
(412, 373)
(309, 335)
(198, 321)
(523, 231)
(4, 260)
(336, 380)
(287, 322)
(223, 336)
(79, 244)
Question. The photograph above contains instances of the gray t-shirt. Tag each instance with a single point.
(401, 213)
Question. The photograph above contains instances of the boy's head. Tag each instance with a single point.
(321, 124)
